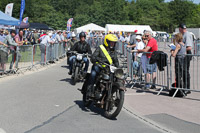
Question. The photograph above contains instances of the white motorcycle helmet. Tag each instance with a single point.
(73, 34)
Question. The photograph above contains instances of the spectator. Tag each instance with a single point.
(127, 38)
(63, 45)
(2, 35)
(4, 49)
(188, 41)
(30, 37)
(133, 39)
(45, 40)
(36, 37)
(144, 57)
(179, 54)
(3, 58)
(16, 56)
(151, 68)
(68, 35)
(3, 55)
(56, 45)
(120, 38)
(137, 59)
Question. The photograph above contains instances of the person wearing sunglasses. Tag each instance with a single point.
(150, 47)
(144, 40)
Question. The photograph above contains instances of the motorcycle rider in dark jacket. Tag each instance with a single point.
(109, 44)
(72, 41)
(80, 47)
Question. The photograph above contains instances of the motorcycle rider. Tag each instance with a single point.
(104, 53)
(80, 47)
(72, 41)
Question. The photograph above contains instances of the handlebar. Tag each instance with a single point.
(103, 63)
(76, 53)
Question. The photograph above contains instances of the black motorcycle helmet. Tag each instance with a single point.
(82, 34)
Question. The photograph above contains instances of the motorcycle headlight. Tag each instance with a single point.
(119, 73)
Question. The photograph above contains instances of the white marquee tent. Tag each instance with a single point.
(127, 28)
(91, 27)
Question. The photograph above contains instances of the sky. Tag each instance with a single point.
(195, 1)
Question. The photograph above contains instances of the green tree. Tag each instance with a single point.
(156, 13)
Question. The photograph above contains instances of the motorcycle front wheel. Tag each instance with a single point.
(75, 77)
(115, 105)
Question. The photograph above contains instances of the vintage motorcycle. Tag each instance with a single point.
(108, 91)
(78, 68)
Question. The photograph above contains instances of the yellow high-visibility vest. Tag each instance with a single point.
(106, 54)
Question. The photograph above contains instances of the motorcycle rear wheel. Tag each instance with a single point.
(115, 105)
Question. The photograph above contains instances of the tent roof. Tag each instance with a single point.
(23, 25)
(127, 28)
(91, 27)
(7, 20)
(38, 26)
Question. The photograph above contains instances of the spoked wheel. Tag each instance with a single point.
(115, 105)
(75, 76)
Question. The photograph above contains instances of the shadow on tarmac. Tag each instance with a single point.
(91, 108)
(140, 89)
(67, 67)
(69, 80)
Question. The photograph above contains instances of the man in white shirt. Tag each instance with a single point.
(43, 46)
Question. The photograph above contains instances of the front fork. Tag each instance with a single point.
(109, 96)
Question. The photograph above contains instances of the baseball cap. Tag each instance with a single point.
(183, 26)
(138, 37)
(50, 34)
(135, 31)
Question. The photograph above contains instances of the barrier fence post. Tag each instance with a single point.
(32, 56)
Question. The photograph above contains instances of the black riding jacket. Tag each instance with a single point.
(81, 47)
(99, 55)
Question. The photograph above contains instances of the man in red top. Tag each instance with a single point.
(151, 47)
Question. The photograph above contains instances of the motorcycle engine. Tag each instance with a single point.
(99, 90)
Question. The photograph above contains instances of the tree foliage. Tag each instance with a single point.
(156, 13)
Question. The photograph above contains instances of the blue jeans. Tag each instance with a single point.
(94, 72)
(151, 68)
(72, 60)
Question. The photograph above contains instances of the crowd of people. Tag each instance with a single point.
(139, 42)
(10, 43)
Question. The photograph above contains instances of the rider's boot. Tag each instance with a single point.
(70, 72)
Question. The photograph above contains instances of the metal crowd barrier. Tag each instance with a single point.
(28, 56)
(196, 47)
(185, 80)
(129, 63)
(36, 54)
(20, 58)
(119, 47)
(164, 77)
(150, 75)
